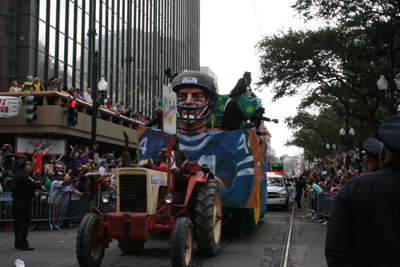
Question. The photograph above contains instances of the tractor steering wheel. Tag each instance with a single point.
(164, 159)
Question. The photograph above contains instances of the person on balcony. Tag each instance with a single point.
(26, 87)
(14, 88)
(87, 96)
(36, 85)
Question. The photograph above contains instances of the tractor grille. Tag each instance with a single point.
(132, 193)
(273, 195)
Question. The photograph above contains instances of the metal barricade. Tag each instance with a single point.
(71, 207)
(6, 211)
(325, 204)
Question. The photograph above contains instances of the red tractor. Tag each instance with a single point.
(151, 200)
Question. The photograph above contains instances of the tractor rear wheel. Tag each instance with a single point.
(209, 218)
(130, 246)
(182, 243)
(88, 250)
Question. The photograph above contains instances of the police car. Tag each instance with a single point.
(277, 192)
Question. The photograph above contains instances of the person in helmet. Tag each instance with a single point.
(196, 100)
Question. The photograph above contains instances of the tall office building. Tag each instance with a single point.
(136, 40)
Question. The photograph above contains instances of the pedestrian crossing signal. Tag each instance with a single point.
(72, 112)
(30, 109)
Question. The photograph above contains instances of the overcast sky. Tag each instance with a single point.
(229, 31)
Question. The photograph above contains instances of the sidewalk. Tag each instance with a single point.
(307, 247)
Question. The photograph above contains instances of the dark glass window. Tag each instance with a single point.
(42, 36)
(62, 15)
(43, 9)
(61, 47)
(70, 51)
(52, 63)
(52, 42)
(41, 65)
(71, 19)
(60, 69)
(79, 26)
(78, 56)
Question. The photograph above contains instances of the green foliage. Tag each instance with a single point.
(334, 68)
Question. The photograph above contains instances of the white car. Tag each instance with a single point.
(277, 192)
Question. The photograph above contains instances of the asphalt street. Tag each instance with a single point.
(262, 246)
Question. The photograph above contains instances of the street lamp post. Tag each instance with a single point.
(103, 87)
(383, 85)
(352, 133)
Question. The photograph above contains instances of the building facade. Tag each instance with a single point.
(136, 40)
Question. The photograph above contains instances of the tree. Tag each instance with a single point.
(335, 67)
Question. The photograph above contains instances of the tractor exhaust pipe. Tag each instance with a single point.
(126, 156)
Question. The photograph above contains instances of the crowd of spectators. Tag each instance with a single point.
(79, 173)
(328, 180)
(33, 84)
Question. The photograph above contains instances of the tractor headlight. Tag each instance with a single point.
(106, 198)
(169, 198)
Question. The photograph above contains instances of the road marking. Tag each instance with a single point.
(285, 254)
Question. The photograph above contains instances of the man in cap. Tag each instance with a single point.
(243, 84)
(372, 149)
(364, 226)
(23, 187)
(170, 74)
(233, 115)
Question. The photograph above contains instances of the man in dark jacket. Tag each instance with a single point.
(300, 185)
(170, 74)
(233, 115)
(157, 120)
(243, 83)
(364, 226)
(257, 117)
(8, 157)
(23, 187)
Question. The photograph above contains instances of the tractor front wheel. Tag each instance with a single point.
(130, 246)
(89, 249)
(182, 243)
(209, 218)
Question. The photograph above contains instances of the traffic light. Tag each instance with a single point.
(72, 112)
(30, 109)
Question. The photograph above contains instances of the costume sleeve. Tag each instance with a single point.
(10, 155)
(30, 184)
(91, 151)
(339, 234)
(153, 122)
(265, 119)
